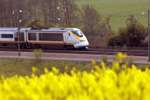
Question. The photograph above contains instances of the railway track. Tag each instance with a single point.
(106, 51)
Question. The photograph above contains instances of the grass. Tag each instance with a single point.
(10, 67)
(119, 10)
(24, 67)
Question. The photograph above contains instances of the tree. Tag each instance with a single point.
(71, 13)
(50, 12)
(91, 20)
(96, 27)
(36, 24)
(133, 35)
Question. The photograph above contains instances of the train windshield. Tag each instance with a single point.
(78, 33)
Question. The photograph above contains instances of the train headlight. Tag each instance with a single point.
(82, 40)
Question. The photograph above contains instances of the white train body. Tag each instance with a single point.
(77, 38)
(53, 36)
(6, 36)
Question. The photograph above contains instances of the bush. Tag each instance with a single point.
(36, 24)
(37, 53)
(133, 35)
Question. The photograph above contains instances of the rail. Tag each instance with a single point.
(107, 51)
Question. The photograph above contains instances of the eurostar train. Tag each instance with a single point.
(29, 38)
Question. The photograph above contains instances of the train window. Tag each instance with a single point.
(78, 33)
(6, 35)
(50, 37)
(32, 36)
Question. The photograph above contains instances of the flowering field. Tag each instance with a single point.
(118, 81)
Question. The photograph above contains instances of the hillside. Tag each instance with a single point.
(119, 9)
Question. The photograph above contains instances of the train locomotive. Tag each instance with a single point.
(29, 38)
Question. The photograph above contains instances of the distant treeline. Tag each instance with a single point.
(49, 12)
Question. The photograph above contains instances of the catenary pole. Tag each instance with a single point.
(148, 15)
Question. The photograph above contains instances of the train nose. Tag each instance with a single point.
(81, 43)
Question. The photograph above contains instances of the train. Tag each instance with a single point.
(31, 38)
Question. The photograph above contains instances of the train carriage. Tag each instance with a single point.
(9, 36)
(45, 38)
(29, 38)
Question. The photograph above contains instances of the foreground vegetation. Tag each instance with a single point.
(117, 81)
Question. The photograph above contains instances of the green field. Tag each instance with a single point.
(120, 9)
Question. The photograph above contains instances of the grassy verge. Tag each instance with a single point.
(10, 67)
(23, 67)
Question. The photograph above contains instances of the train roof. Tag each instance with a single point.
(47, 31)
(8, 28)
(60, 30)
(66, 29)
(15, 29)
